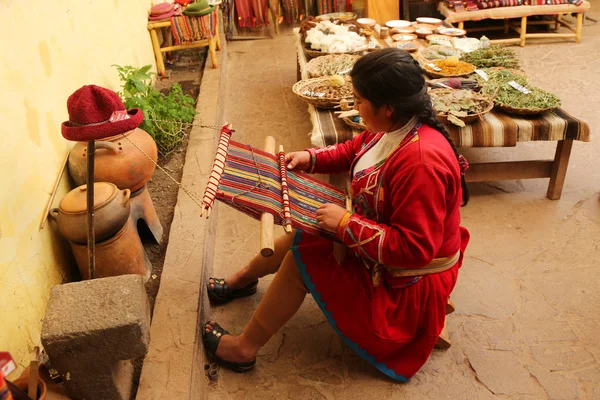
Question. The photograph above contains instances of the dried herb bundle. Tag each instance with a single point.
(456, 104)
(495, 56)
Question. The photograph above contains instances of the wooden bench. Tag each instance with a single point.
(213, 43)
(522, 12)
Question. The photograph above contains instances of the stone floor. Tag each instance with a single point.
(527, 296)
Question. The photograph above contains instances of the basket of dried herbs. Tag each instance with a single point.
(494, 56)
(450, 67)
(459, 107)
(513, 93)
(333, 64)
(324, 92)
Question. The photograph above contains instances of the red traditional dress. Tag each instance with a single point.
(406, 215)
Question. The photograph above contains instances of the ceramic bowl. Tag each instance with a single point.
(423, 32)
(408, 29)
(404, 37)
(454, 32)
(407, 46)
(366, 22)
(428, 20)
(425, 26)
(397, 24)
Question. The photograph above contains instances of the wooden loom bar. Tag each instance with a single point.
(217, 172)
(267, 221)
(287, 215)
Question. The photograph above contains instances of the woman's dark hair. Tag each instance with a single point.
(392, 77)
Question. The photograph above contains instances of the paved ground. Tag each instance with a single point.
(526, 297)
(527, 316)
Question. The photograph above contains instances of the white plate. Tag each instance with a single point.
(366, 22)
(428, 20)
(397, 23)
(455, 32)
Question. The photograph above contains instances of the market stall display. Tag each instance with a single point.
(449, 67)
(327, 37)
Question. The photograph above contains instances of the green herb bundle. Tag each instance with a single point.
(495, 56)
(164, 115)
(505, 95)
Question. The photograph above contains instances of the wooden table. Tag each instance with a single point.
(495, 130)
(522, 12)
(213, 43)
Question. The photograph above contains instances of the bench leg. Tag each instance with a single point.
(579, 27)
(212, 50)
(160, 64)
(523, 30)
(559, 169)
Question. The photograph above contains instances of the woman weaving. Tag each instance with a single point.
(387, 297)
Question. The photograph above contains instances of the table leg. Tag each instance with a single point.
(557, 22)
(559, 169)
(160, 64)
(461, 25)
(506, 26)
(523, 30)
(212, 49)
(217, 30)
(579, 27)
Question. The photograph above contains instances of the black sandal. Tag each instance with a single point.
(221, 293)
(211, 342)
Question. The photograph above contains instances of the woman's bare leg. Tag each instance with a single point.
(281, 301)
(260, 266)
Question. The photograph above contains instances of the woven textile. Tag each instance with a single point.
(252, 13)
(251, 184)
(192, 29)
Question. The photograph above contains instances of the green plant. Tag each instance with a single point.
(165, 116)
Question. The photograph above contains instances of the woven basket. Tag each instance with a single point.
(318, 53)
(435, 74)
(313, 66)
(354, 125)
(524, 111)
(322, 102)
(469, 118)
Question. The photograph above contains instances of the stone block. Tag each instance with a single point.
(94, 331)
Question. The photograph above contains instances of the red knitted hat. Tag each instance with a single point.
(161, 8)
(97, 113)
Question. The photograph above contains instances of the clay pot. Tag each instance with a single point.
(120, 255)
(23, 384)
(117, 160)
(111, 211)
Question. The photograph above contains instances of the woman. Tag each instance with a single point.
(387, 297)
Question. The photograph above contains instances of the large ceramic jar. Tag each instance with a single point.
(111, 211)
(117, 160)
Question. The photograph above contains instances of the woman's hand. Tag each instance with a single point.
(298, 160)
(329, 216)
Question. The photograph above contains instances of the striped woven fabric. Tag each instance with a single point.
(292, 10)
(192, 29)
(251, 184)
(496, 129)
(329, 6)
(252, 13)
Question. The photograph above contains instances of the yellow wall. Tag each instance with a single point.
(49, 50)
